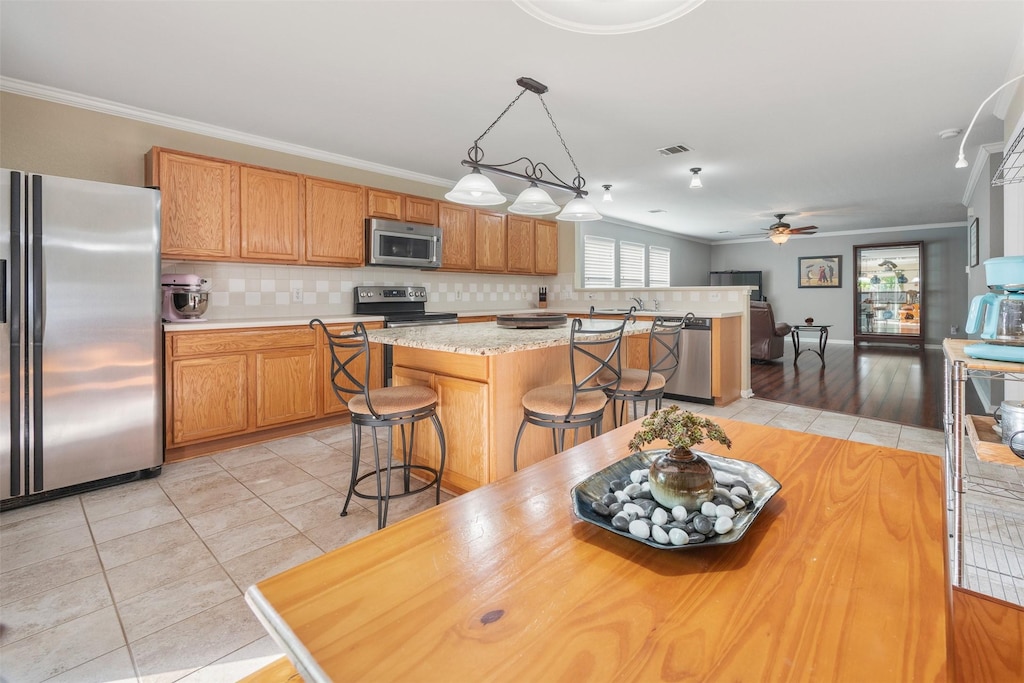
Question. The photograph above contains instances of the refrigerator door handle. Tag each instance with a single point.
(3, 291)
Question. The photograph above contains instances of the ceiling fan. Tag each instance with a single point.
(780, 231)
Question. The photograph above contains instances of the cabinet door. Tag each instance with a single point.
(196, 217)
(462, 410)
(209, 398)
(520, 244)
(458, 243)
(490, 241)
(420, 210)
(269, 214)
(334, 222)
(285, 386)
(382, 204)
(546, 247)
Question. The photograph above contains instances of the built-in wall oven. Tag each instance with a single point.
(404, 306)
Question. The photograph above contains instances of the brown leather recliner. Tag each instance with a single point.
(767, 339)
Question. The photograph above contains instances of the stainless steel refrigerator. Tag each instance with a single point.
(80, 353)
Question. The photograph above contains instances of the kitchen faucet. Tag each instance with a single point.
(639, 302)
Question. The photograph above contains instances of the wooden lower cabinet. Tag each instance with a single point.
(330, 404)
(460, 403)
(210, 398)
(226, 387)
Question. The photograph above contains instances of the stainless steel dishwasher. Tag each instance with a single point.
(692, 382)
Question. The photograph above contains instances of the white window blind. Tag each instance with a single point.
(598, 261)
(632, 262)
(659, 260)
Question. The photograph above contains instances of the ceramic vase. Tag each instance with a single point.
(681, 477)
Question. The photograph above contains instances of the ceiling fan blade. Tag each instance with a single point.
(806, 228)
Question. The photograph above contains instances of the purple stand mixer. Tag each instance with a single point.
(999, 315)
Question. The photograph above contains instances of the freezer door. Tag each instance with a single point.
(94, 361)
(12, 463)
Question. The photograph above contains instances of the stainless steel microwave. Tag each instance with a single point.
(394, 243)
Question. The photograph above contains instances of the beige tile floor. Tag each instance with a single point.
(143, 582)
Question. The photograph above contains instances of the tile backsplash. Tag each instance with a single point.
(269, 291)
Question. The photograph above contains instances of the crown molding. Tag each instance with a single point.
(41, 92)
(978, 167)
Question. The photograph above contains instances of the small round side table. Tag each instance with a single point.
(822, 340)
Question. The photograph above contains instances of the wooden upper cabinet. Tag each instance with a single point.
(400, 207)
(269, 214)
(520, 235)
(490, 241)
(383, 204)
(420, 210)
(458, 238)
(334, 222)
(546, 246)
(197, 219)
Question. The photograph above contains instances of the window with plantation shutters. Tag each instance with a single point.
(598, 261)
(658, 259)
(632, 264)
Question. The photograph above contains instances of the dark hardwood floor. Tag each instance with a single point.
(885, 382)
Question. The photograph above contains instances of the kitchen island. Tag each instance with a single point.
(480, 372)
(840, 578)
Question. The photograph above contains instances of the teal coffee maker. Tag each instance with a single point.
(999, 315)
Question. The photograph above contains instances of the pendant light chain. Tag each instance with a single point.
(578, 182)
(476, 143)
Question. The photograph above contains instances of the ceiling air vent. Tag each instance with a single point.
(674, 149)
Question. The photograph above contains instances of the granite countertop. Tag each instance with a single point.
(487, 339)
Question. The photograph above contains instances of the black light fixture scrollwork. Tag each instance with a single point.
(475, 189)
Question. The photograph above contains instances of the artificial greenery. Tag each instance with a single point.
(681, 428)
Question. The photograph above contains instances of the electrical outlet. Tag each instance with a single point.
(297, 295)
(954, 329)
(714, 296)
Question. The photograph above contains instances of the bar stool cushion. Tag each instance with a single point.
(556, 398)
(633, 380)
(391, 400)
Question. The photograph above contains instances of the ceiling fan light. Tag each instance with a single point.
(533, 201)
(779, 237)
(475, 189)
(695, 182)
(580, 210)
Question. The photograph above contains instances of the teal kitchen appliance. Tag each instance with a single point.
(999, 315)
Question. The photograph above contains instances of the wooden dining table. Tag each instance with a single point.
(840, 577)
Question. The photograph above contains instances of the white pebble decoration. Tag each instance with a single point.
(677, 536)
(709, 509)
(726, 511)
(738, 489)
(660, 516)
(645, 486)
(634, 508)
(641, 530)
(632, 490)
(679, 513)
(660, 535)
(723, 525)
(622, 496)
(737, 502)
(637, 476)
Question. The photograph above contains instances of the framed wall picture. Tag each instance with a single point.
(819, 271)
(972, 243)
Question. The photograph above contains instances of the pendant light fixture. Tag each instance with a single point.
(475, 189)
(695, 180)
(607, 197)
(779, 237)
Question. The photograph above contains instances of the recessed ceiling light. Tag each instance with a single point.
(950, 133)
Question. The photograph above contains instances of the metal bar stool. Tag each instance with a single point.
(559, 407)
(648, 385)
(387, 407)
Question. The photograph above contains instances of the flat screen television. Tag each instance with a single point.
(729, 278)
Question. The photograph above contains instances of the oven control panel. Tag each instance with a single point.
(367, 294)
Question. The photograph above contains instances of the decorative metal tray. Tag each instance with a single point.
(763, 486)
(532, 320)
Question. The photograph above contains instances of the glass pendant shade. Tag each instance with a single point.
(578, 209)
(475, 189)
(533, 201)
(695, 180)
(779, 237)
